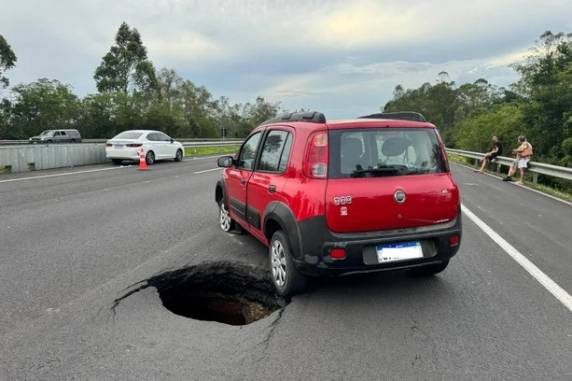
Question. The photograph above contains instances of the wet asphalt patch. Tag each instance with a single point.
(225, 292)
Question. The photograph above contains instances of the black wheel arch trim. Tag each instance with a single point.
(220, 185)
(280, 213)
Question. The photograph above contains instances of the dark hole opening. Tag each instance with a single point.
(228, 293)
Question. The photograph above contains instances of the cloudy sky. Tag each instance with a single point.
(340, 57)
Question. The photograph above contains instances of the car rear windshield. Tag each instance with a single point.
(376, 152)
(129, 135)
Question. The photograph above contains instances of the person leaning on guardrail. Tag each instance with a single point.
(523, 154)
(490, 156)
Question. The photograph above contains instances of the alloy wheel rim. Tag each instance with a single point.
(278, 259)
(224, 218)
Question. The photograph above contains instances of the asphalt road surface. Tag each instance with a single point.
(72, 243)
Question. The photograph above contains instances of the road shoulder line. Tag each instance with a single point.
(517, 185)
(62, 174)
(558, 292)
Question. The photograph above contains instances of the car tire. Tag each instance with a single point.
(225, 222)
(150, 158)
(287, 280)
(430, 270)
(179, 155)
(117, 161)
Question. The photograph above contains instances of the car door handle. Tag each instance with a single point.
(272, 188)
(243, 180)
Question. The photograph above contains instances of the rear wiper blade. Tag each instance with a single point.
(376, 171)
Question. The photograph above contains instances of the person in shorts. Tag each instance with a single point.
(496, 150)
(523, 154)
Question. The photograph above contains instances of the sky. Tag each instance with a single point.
(343, 58)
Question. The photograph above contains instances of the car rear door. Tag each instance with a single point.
(238, 176)
(169, 147)
(156, 144)
(267, 181)
(382, 179)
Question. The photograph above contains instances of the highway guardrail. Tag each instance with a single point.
(182, 140)
(534, 167)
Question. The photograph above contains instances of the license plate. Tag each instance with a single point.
(119, 146)
(399, 251)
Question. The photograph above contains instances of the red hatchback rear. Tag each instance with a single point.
(343, 197)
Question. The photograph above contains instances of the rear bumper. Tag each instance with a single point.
(360, 248)
(125, 154)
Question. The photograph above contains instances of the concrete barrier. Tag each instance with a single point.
(40, 156)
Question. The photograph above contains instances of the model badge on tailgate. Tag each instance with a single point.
(342, 200)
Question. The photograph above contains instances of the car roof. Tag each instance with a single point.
(378, 123)
(355, 123)
(140, 131)
(314, 120)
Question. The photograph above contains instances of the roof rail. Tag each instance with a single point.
(400, 115)
(306, 116)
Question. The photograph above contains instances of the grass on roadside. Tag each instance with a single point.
(527, 178)
(208, 151)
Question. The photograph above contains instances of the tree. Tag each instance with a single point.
(7, 61)
(546, 85)
(126, 66)
(45, 104)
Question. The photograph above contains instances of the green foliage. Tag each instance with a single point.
(126, 65)
(42, 105)
(443, 103)
(7, 61)
(207, 151)
(538, 106)
(504, 120)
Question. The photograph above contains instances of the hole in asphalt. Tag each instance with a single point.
(228, 293)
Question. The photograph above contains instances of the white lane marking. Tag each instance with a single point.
(63, 174)
(521, 186)
(552, 287)
(206, 170)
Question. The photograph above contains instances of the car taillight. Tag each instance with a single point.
(316, 162)
(133, 145)
(454, 240)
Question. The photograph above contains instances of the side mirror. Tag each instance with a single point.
(225, 161)
(172, 140)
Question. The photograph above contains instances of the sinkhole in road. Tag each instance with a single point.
(228, 293)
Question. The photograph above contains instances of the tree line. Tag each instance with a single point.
(131, 94)
(538, 105)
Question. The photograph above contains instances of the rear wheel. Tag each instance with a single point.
(150, 158)
(431, 269)
(287, 280)
(179, 155)
(225, 222)
(117, 161)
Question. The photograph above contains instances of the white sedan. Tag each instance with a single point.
(156, 146)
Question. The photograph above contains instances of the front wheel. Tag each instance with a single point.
(150, 158)
(431, 269)
(287, 280)
(179, 155)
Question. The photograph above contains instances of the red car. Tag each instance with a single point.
(343, 197)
